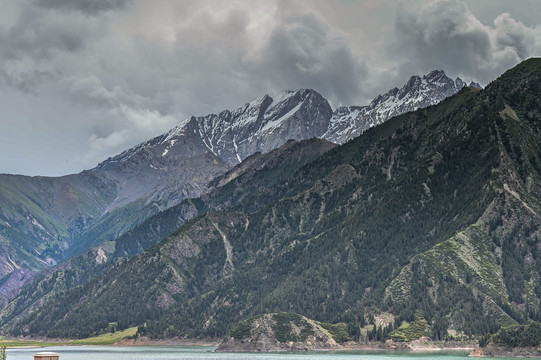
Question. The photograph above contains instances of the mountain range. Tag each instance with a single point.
(45, 221)
(427, 224)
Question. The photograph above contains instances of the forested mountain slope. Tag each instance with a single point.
(249, 184)
(46, 220)
(434, 213)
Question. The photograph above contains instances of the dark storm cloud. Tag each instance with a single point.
(446, 34)
(37, 36)
(90, 7)
(303, 52)
(36, 46)
(30, 48)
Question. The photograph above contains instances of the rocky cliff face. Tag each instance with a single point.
(232, 135)
(419, 92)
(267, 123)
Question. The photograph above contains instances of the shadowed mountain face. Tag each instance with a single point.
(45, 220)
(249, 185)
(433, 216)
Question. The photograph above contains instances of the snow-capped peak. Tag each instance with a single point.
(260, 125)
(268, 122)
(418, 92)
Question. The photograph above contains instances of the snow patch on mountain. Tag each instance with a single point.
(418, 92)
(267, 123)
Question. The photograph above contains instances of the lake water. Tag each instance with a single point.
(207, 353)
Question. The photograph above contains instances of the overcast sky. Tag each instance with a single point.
(82, 80)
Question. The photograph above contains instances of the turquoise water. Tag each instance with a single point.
(207, 353)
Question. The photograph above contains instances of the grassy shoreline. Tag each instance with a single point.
(127, 338)
(104, 339)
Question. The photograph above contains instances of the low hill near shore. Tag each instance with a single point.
(513, 341)
(278, 332)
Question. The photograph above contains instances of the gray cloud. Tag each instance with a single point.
(446, 34)
(513, 35)
(91, 7)
(36, 35)
(26, 82)
(303, 52)
(114, 73)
